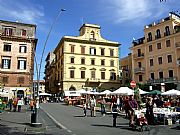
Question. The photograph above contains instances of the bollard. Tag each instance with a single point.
(33, 117)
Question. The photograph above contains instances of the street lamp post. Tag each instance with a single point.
(39, 69)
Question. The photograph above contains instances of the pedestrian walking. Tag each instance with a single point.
(32, 104)
(15, 100)
(19, 104)
(133, 105)
(149, 111)
(85, 109)
(114, 113)
(92, 106)
(103, 110)
(10, 104)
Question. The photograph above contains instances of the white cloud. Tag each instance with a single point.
(22, 11)
(136, 10)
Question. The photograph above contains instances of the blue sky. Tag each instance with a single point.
(120, 20)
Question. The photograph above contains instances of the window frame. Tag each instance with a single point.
(21, 48)
(93, 74)
(92, 51)
(150, 48)
(159, 46)
(72, 60)
(83, 74)
(112, 63)
(72, 74)
(102, 51)
(140, 78)
(103, 62)
(6, 63)
(169, 58)
(111, 52)
(168, 43)
(161, 74)
(23, 32)
(22, 64)
(103, 75)
(82, 49)
(151, 62)
(7, 47)
(171, 75)
(92, 61)
(149, 37)
(72, 48)
(83, 62)
(160, 60)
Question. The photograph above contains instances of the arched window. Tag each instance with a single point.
(167, 31)
(92, 35)
(149, 37)
(158, 34)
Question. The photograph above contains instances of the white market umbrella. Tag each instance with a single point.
(82, 91)
(93, 93)
(106, 92)
(171, 92)
(123, 91)
(142, 92)
(44, 94)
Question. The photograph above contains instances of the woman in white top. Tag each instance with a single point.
(19, 104)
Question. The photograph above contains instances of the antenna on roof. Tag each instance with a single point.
(162, 0)
(82, 20)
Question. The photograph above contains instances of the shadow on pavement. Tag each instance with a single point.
(79, 116)
(177, 127)
(28, 124)
(126, 127)
(9, 131)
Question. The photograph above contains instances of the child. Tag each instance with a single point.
(84, 108)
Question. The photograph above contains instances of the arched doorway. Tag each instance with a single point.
(72, 88)
(20, 93)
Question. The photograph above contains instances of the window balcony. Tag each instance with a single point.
(138, 56)
(157, 36)
(167, 33)
(139, 70)
(149, 39)
(162, 80)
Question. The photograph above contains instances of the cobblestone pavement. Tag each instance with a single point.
(19, 123)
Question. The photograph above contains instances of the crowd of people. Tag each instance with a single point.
(15, 104)
(128, 104)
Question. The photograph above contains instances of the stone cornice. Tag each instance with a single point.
(18, 39)
(90, 41)
(11, 72)
(84, 41)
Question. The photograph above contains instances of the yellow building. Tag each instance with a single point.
(156, 56)
(87, 61)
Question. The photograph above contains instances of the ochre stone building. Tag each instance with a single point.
(156, 56)
(86, 61)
